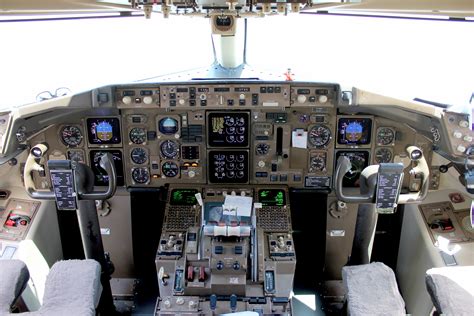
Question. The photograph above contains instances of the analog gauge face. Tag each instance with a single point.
(137, 135)
(139, 155)
(170, 169)
(71, 136)
(168, 126)
(319, 135)
(169, 149)
(385, 136)
(383, 155)
(140, 175)
(76, 155)
(262, 149)
(318, 162)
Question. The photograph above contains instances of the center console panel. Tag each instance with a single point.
(244, 266)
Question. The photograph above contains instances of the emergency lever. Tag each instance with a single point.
(369, 176)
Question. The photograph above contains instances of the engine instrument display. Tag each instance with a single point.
(101, 177)
(168, 126)
(272, 197)
(103, 131)
(183, 197)
(169, 149)
(170, 169)
(319, 135)
(71, 135)
(359, 160)
(228, 129)
(354, 131)
(137, 135)
(385, 136)
(139, 155)
(228, 166)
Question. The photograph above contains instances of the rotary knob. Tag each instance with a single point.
(127, 100)
(467, 138)
(457, 134)
(301, 98)
(181, 101)
(148, 100)
(323, 99)
(242, 96)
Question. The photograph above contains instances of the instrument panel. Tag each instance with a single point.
(243, 133)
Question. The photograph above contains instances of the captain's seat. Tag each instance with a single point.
(72, 287)
(372, 290)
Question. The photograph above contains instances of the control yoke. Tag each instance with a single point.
(369, 180)
(73, 189)
(80, 174)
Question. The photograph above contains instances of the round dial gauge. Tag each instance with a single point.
(170, 169)
(168, 126)
(71, 136)
(76, 155)
(139, 155)
(137, 135)
(262, 149)
(319, 135)
(385, 136)
(140, 175)
(318, 163)
(383, 155)
(169, 149)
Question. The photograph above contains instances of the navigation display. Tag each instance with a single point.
(354, 131)
(100, 175)
(183, 197)
(228, 129)
(272, 197)
(359, 160)
(103, 130)
(228, 166)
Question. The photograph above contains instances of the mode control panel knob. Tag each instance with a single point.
(148, 100)
(467, 138)
(301, 98)
(323, 99)
(457, 134)
(181, 101)
(127, 100)
(236, 266)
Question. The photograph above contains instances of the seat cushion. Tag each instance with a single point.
(14, 276)
(372, 290)
(72, 288)
(452, 289)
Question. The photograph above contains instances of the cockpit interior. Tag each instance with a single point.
(217, 192)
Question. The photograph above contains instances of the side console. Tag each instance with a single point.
(213, 261)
